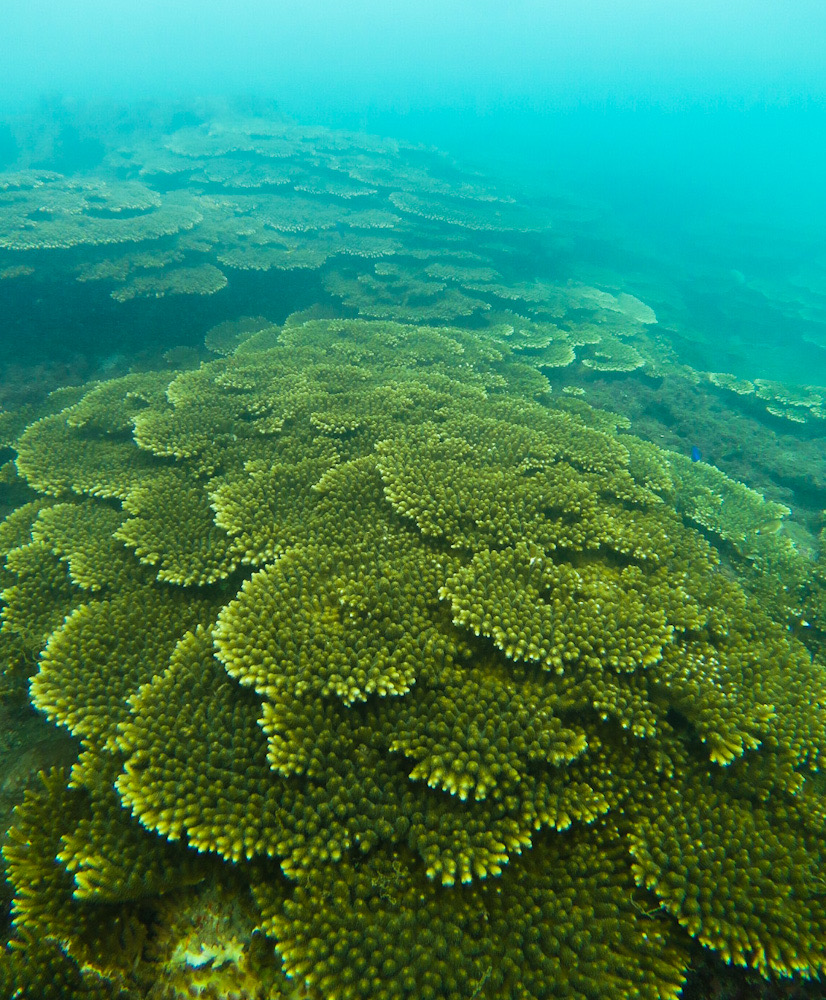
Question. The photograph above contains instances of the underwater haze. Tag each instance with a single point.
(426, 56)
(413, 500)
(698, 128)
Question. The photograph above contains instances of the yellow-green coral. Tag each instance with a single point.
(712, 500)
(224, 802)
(41, 596)
(197, 551)
(551, 621)
(468, 214)
(57, 461)
(708, 865)
(83, 536)
(205, 279)
(105, 650)
(34, 966)
(399, 292)
(445, 673)
(103, 934)
(56, 212)
(570, 906)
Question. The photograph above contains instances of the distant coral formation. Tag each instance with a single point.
(385, 230)
(395, 676)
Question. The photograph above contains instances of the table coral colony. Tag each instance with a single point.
(395, 677)
(389, 229)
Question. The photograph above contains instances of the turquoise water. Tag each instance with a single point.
(695, 134)
(723, 206)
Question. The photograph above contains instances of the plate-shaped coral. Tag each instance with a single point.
(447, 675)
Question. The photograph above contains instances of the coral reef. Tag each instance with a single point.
(458, 679)
(798, 404)
(44, 211)
(389, 230)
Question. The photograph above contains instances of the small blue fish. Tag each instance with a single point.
(696, 454)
